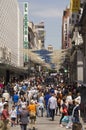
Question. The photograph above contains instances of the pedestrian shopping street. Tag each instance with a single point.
(25, 95)
(42, 64)
(44, 123)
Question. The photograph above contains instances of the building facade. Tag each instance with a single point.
(11, 31)
(77, 64)
(11, 39)
(50, 48)
(83, 33)
(39, 29)
(65, 29)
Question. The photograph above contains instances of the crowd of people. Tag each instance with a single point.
(22, 102)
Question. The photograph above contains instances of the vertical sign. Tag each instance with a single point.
(75, 5)
(25, 31)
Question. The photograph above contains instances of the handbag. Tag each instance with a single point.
(61, 110)
(65, 119)
(32, 114)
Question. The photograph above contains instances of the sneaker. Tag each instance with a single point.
(61, 125)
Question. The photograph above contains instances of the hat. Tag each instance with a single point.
(32, 101)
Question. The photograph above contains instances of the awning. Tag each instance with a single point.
(58, 57)
(36, 58)
(11, 68)
(33, 57)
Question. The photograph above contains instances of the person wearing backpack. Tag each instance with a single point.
(70, 110)
(64, 111)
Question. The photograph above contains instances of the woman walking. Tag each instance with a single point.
(32, 111)
(24, 118)
(64, 111)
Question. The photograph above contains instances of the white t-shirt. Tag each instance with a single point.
(78, 99)
(52, 103)
(69, 98)
(1, 106)
(13, 113)
(6, 96)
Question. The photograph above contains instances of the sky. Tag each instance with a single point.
(50, 12)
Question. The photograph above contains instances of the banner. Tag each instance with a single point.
(74, 5)
(25, 31)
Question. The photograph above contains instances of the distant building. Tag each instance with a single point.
(65, 29)
(74, 13)
(39, 29)
(50, 48)
(34, 42)
(31, 36)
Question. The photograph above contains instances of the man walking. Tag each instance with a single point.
(52, 104)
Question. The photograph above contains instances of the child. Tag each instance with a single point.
(13, 115)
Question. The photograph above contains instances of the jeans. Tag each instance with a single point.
(61, 118)
(70, 121)
(52, 113)
(47, 111)
(76, 119)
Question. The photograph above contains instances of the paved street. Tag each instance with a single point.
(44, 123)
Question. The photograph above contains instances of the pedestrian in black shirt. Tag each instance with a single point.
(70, 110)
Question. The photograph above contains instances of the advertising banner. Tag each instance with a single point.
(26, 31)
(74, 6)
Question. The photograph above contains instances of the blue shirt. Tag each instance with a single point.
(46, 98)
(15, 98)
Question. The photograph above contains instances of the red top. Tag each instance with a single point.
(5, 114)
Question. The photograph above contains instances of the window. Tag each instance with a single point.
(72, 21)
(77, 16)
(72, 15)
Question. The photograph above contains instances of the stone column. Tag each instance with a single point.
(79, 65)
(84, 69)
(84, 51)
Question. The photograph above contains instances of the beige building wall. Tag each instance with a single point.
(39, 29)
(65, 29)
